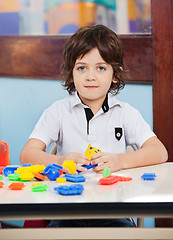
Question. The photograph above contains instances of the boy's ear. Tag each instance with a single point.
(114, 80)
(116, 75)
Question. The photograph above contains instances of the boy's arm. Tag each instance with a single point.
(33, 152)
(152, 152)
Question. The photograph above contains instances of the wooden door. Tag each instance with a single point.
(162, 37)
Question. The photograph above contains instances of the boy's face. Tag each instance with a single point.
(92, 77)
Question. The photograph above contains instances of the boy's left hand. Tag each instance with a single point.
(104, 160)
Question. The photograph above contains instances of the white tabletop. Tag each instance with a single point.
(135, 191)
(137, 198)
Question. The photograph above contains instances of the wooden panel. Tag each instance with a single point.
(138, 57)
(41, 57)
(164, 222)
(31, 57)
(163, 72)
(162, 27)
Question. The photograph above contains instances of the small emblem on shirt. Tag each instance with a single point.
(118, 133)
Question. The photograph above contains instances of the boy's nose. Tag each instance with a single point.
(90, 76)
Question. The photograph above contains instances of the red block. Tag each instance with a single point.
(109, 180)
(4, 154)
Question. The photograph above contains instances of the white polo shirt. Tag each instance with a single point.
(115, 126)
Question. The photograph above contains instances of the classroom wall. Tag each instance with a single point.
(22, 102)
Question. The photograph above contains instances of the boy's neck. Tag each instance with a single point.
(95, 105)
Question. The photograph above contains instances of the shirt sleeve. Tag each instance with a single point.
(48, 127)
(137, 131)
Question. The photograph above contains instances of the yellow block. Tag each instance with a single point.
(26, 176)
(32, 169)
(36, 184)
(91, 151)
(23, 170)
(61, 180)
(70, 165)
(37, 168)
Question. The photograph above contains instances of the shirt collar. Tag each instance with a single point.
(113, 101)
(75, 100)
(105, 105)
(109, 102)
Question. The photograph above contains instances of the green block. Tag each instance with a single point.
(40, 188)
(106, 172)
(14, 177)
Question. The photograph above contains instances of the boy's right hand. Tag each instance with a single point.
(79, 159)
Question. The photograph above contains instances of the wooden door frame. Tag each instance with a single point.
(162, 37)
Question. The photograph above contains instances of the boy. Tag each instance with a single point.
(93, 70)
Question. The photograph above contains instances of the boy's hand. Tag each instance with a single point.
(78, 158)
(104, 160)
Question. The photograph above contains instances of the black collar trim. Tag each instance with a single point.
(105, 105)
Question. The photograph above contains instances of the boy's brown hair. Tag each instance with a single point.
(83, 41)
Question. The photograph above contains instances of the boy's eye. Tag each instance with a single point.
(82, 68)
(100, 68)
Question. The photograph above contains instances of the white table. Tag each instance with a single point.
(137, 198)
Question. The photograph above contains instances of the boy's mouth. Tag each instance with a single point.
(91, 87)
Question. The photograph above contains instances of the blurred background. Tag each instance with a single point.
(40, 17)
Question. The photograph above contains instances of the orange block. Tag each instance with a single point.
(39, 176)
(1, 184)
(16, 186)
(4, 154)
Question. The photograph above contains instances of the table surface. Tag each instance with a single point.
(136, 195)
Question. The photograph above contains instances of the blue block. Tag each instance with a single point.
(148, 176)
(75, 178)
(53, 174)
(9, 170)
(88, 167)
(57, 166)
(49, 166)
(74, 189)
(26, 165)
